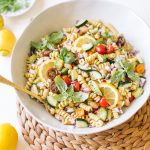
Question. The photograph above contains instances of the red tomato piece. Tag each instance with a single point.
(110, 49)
(76, 86)
(103, 102)
(67, 80)
(101, 49)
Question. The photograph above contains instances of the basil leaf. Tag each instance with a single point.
(70, 91)
(132, 75)
(118, 76)
(69, 60)
(35, 45)
(106, 35)
(80, 96)
(63, 53)
(55, 37)
(128, 66)
(61, 85)
(60, 97)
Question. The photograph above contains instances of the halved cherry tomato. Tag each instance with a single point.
(101, 49)
(76, 86)
(110, 49)
(67, 79)
(103, 102)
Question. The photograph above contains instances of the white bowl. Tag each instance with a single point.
(65, 15)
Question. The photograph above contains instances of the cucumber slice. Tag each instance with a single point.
(81, 23)
(102, 113)
(94, 87)
(87, 47)
(85, 68)
(95, 75)
(81, 123)
(34, 89)
(53, 102)
(138, 92)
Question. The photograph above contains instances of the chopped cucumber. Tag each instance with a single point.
(81, 123)
(59, 64)
(64, 71)
(81, 23)
(74, 75)
(87, 47)
(85, 68)
(95, 75)
(53, 102)
(102, 113)
(121, 84)
(94, 87)
(138, 92)
(34, 89)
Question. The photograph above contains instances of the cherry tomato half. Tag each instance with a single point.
(67, 79)
(101, 49)
(103, 102)
(110, 49)
(76, 86)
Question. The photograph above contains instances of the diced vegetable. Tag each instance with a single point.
(94, 87)
(81, 23)
(59, 64)
(110, 49)
(76, 86)
(102, 113)
(87, 47)
(80, 112)
(81, 123)
(140, 68)
(74, 75)
(103, 102)
(67, 80)
(95, 75)
(101, 49)
(64, 71)
(138, 92)
(53, 102)
(34, 89)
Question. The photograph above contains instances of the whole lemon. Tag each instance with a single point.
(1, 22)
(7, 41)
(8, 137)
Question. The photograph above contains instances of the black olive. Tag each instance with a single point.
(121, 41)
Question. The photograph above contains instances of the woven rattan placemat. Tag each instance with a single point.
(132, 135)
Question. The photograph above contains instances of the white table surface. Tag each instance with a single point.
(17, 24)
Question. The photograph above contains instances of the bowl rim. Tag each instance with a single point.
(70, 131)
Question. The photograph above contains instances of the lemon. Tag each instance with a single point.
(1, 22)
(110, 93)
(7, 41)
(8, 137)
(43, 69)
(84, 43)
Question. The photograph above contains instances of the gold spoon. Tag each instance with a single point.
(9, 83)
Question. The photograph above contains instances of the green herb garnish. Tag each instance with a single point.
(68, 92)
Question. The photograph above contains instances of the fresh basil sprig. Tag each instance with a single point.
(127, 68)
(68, 92)
(67, 57)
(48, 41)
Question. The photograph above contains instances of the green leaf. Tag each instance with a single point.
(61, 85)
(35, 45)
(55, 37)
(132, 75)
(60, 97)
(128, 66)
(70, 91)
(69, 60)
(106, 35)
(63, 51)
(80, 96)
(118, 76)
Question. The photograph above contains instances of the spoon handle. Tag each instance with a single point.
(12, 84)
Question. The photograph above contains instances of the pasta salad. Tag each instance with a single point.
(86, 74)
